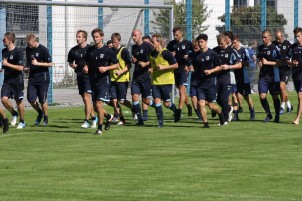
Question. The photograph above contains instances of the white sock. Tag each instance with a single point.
(283, 105)
(288, 104)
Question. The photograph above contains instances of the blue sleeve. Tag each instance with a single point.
(276, 55)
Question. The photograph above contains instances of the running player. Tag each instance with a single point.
(39, 60)
(230, 60)
(163, 64)
(120, 77)
(206, 64)
(284, 70)
(193, 86)
(13, 84)
(141, 82)
(76, 60)
(180, 48)
(269, 78)
(99, 60)
(294, 56)
(242, 77)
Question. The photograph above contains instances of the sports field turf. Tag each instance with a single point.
(241, 161)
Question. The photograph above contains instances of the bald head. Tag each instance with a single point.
(137, 36)
(279, 36)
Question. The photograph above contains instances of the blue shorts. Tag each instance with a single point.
(162, 91)
(37, 90)
(193, 90)
(181, 78)
(13, 90)
(298, 86)
(143, 88)
(244, 88)
(83, 84)
(118, 90)
(100, 89)
(264, 86)
(234, 88)
(207, 92)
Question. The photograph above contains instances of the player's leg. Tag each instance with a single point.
(298, 87)
(263, 89)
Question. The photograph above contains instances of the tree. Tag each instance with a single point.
(245, 22)
(199, 16)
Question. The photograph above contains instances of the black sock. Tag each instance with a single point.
(137, 111)
(265, 106)
(277, 106)
(45, 117)
(159, 113)
(100, 127)
(172, 107)
(197, 111)
(108, 116)
(93, 118)
(86, 120)
(14, 113)
(22, 121)
(145, 113)
(122, 118)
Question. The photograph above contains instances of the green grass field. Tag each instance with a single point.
(244, 160)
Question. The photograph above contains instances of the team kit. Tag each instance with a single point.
(219, 77)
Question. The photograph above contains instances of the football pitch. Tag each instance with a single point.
(244, 160)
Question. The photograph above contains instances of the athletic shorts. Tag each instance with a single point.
(100, 89)
(13, 90)
(143, 88)
(244, 88)
(193, 90)
(118, 90)
(265, 86)
(208, 93)
(162, 91)
(83, 84)
(181, 78)
(37, 90)
(234, 88)
(285, 74)
(298, 86)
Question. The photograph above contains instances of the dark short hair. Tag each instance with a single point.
(203, 37)
(109, 42)
(97, 30)
(236, 38)
(177, 29)
(229, 34)
(297, 30)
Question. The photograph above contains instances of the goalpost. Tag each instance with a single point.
(56, 22)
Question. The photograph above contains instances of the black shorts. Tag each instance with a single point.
(100, 89)
(143, 88)
(118, 90)
(285, 74)
(13, 90)
(298, 86)
(181, 78)
(83, 84)
(244, 88)
(207, 91)
(37, 90)
(162, 91)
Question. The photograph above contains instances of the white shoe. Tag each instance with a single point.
(94, 122)
(21, 125)
(120, 123)
(231, 114)
(135, 117)
(14, 120)
(225, 123)
(85, 125)
(98, 132)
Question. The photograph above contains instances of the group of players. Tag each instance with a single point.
(38, 60)
(103, 74)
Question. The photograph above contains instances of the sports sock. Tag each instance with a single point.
(145, 113)
(283, 105)
(265, 106)
(277, 106)
(288, 104)
(197, 111)
(159, 113)
(100, 127)
(172, 107)
(152, 103)
(137, 110)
